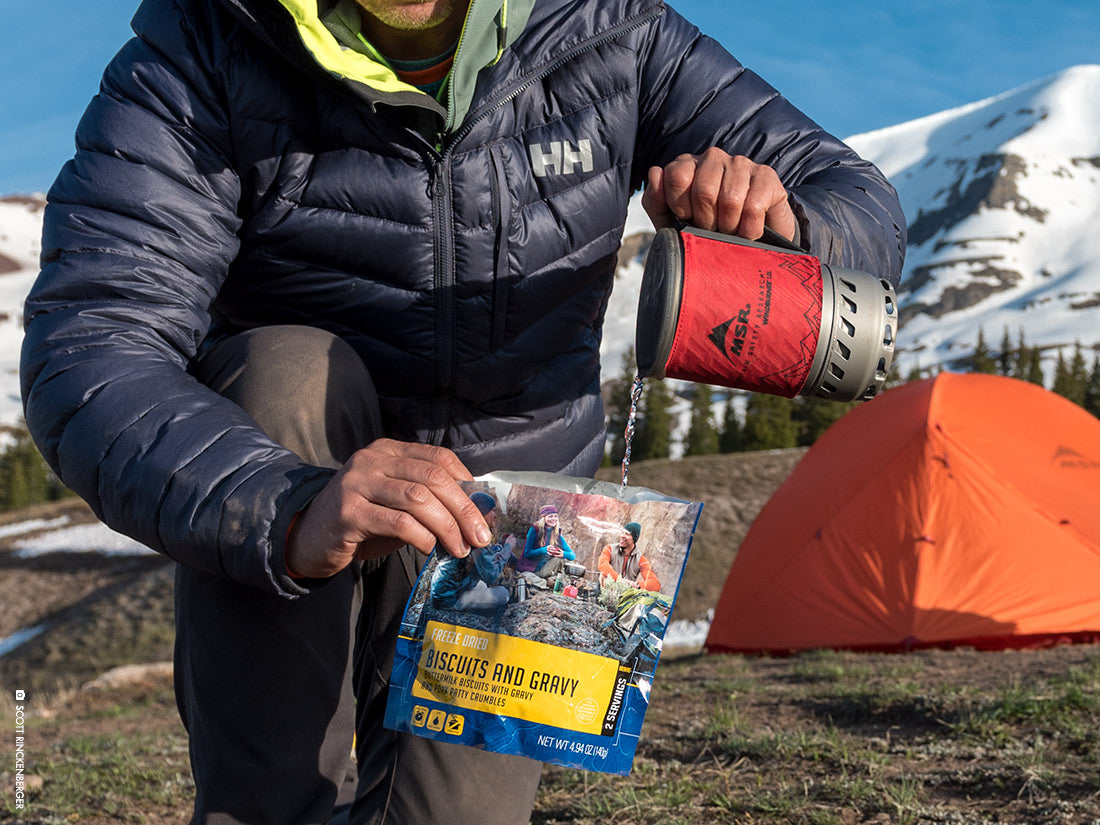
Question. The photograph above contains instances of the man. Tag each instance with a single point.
(626, 561)
(312, 266)
(469, 583)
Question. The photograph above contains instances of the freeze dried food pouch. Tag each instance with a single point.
(545, 643)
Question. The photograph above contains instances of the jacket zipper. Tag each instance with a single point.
(502, 219)
(444, 286)
(442, 211)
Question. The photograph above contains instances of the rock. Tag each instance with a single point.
(130, 675)
(32, 783)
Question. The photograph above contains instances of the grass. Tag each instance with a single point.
(1066, 706)
(112, 773)
(831, 738)
(818, 739)
(102, 758)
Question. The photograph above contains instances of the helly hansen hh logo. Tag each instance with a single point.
(560, 158)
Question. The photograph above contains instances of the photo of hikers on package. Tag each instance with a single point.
(544, 642)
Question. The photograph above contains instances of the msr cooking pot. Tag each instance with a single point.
(765, 317)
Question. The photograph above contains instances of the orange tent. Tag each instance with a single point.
(958, 510)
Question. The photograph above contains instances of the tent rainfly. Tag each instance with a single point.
(959, 510)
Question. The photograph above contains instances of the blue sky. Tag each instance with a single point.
(852, 65)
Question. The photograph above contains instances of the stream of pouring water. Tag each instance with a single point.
(628, 436)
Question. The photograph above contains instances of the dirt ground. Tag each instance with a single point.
(818, 738)
(100, 612)
(96, 612)
(824, 738)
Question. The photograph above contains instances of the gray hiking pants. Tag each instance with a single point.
(271, 690)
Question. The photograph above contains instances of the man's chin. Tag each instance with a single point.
(415, 16)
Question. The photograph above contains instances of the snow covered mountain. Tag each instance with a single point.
(1003, 202)
(1003, 205)
(20, 242)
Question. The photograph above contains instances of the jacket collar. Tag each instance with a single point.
(490, 27)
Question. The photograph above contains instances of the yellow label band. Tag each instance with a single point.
(519, 678)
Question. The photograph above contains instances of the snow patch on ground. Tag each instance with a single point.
(683, 633)
(83, 538)
(19, 637)
(21, 527)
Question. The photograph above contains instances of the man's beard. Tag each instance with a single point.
(416, 16)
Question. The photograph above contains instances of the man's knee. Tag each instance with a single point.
(305, 387)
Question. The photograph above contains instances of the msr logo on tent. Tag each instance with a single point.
(740, 326)
(1069, 459)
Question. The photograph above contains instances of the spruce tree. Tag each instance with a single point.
(813, 416)
(1005, 358)
(768, 423)
(1062, 384)
(1033, 371)
(1027, 364)
(24, 477)
(730, 436)
(1092, 388)
(702, 437)
(1065, 383)
(1020, 355)
(653, 434)
(1079, 375)
(1071, 378)
(982, 361)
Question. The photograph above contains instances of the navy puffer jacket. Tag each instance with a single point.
(224, 181)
